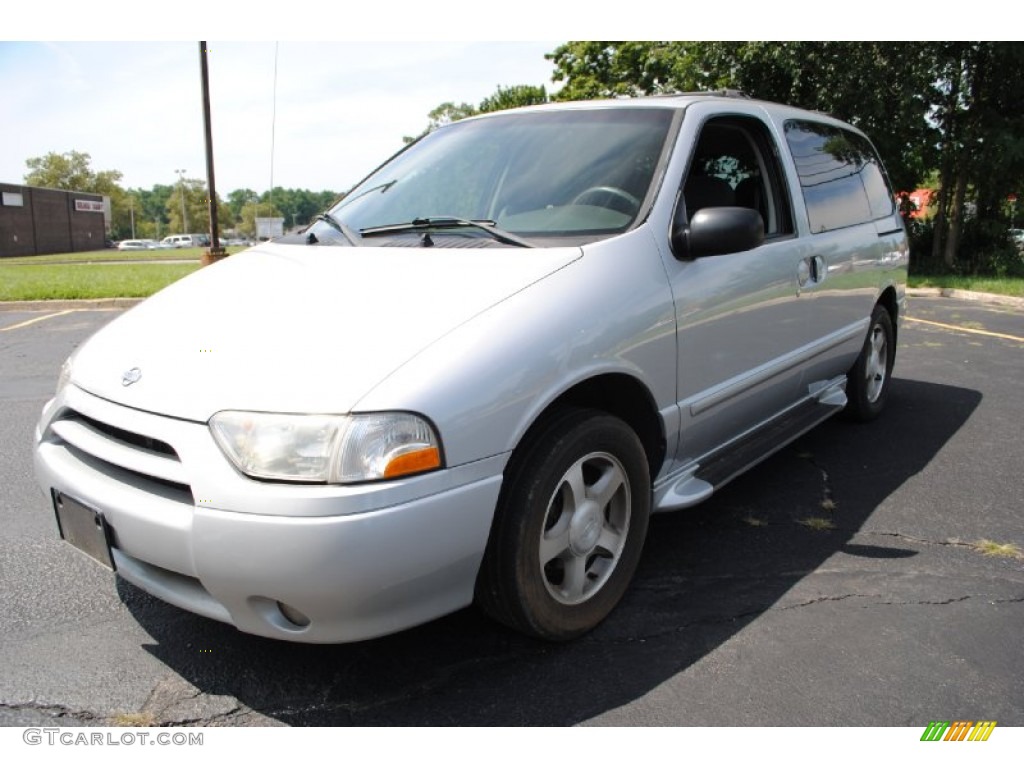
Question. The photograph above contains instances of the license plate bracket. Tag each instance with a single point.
(84, 528)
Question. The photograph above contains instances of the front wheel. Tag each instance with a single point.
(869, 378)
(569, 528)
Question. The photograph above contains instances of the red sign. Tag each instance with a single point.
(88, 205)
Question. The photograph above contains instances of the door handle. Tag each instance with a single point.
(819, 270)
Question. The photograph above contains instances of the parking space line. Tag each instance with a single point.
(36, 320)
(966, 330)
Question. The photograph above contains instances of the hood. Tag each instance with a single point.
(297, 329)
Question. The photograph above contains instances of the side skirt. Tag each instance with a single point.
(699, 479)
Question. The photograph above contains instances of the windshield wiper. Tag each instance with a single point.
(449, 222)
(345, 230)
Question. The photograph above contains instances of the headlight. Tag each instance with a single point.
(327, 449)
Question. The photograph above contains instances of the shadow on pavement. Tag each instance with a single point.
(706, 574)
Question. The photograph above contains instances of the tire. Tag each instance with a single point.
(569, 527)
(868, 381)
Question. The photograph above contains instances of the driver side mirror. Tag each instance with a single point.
(715, 231)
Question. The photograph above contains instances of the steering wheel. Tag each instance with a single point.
(611, 193)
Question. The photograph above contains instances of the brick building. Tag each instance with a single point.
(35, 220)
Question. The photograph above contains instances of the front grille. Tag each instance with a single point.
(138, 460)
(124, 436)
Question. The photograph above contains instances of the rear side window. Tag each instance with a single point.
(842, 181)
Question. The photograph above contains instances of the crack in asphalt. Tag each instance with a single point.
(232, 714)
(60, 711)
(53, 710)
(238, 713)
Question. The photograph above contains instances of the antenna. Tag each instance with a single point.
(273, 125)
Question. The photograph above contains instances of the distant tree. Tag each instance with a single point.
(245, 224)
(504, 97)
(298, 206)
(70, 171)
(237, 199)
(197, 209)
(513, 96)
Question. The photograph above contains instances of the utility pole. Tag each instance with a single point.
(215, 252)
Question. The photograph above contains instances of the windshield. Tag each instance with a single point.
(554, 173)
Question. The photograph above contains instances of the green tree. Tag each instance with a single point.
(504, 97)
(237, 199)
(250, 211)
(510, 97)
(70, 171)
(194, 197)
(879, 87)
(977, 97)
(950, 107)
(153, 222)
(298, 206)
(596, 69)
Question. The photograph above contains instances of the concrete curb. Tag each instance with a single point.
(955, 293)
(59, 304)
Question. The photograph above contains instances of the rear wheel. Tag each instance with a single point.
(868, 383)
(569, 527)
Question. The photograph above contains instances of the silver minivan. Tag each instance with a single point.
(476, 376)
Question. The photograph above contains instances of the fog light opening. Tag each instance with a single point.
(293, 615)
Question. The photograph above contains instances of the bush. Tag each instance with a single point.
(985, 250)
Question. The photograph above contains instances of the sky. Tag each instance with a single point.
(120, 81)
(341, 107)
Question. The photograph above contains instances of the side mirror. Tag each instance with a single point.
(714, 231)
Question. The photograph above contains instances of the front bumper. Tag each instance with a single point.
(351, 562)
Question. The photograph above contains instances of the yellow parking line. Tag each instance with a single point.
(967, 330)
(36, 320)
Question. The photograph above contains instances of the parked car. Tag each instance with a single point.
(135, 245)
(477, 375)
(1017, 236)
(185, 241)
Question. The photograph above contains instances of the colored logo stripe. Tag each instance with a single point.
(982, 730)
(959, 730)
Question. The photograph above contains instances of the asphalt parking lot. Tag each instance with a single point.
(838, 583)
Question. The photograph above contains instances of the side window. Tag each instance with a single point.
(841, 178)
(735, 163)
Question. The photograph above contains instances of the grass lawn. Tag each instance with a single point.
(1007, 286)
(86, 281)
(112, 254)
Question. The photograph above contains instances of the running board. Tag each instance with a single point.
(717, 469)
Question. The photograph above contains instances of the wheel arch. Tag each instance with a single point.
(619, 395)
(889, 300)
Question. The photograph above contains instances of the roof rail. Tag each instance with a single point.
(730, 93)
(723, 92)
